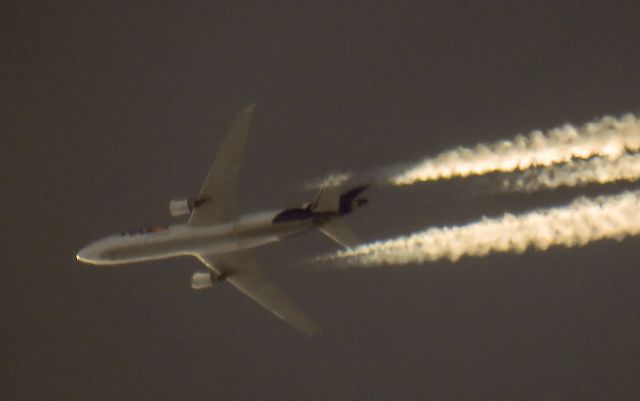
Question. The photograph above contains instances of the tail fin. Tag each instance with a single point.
(349, 199)
(329, 199)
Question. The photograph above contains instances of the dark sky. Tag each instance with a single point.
(109, 111)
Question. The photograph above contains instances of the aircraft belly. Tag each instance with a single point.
(281, 229)
(234, 245)
(162, 248)
(182, 240)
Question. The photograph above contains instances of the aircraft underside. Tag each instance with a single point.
(219, 236)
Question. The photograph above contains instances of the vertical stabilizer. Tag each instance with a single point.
(330, 200)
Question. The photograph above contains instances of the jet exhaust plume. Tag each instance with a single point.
(331, 180)
(576, 224)
(609, 137)
(576, 173)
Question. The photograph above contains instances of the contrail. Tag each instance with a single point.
(609, 137)
(576, 173)
(331, 180)
(582, 221)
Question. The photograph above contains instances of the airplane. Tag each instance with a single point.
(220, 237)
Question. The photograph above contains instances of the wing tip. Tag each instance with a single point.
(311, 331)
(301, 323)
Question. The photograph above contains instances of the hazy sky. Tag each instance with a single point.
(109, 111)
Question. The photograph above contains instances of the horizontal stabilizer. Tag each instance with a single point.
(338, 231)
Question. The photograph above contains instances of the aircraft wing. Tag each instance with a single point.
(244, 273)
(216, 198)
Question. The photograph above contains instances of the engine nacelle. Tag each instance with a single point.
(181, 207)
(202, 280)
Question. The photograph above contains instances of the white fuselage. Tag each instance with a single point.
(162, 242)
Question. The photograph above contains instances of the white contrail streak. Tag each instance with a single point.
(331, 180)
(609, 137)
(580, 172)
(582, 221)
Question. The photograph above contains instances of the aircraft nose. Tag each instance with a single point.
(88, 254)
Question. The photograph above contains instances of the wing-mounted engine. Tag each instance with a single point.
(181, 207)
(202, 280)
